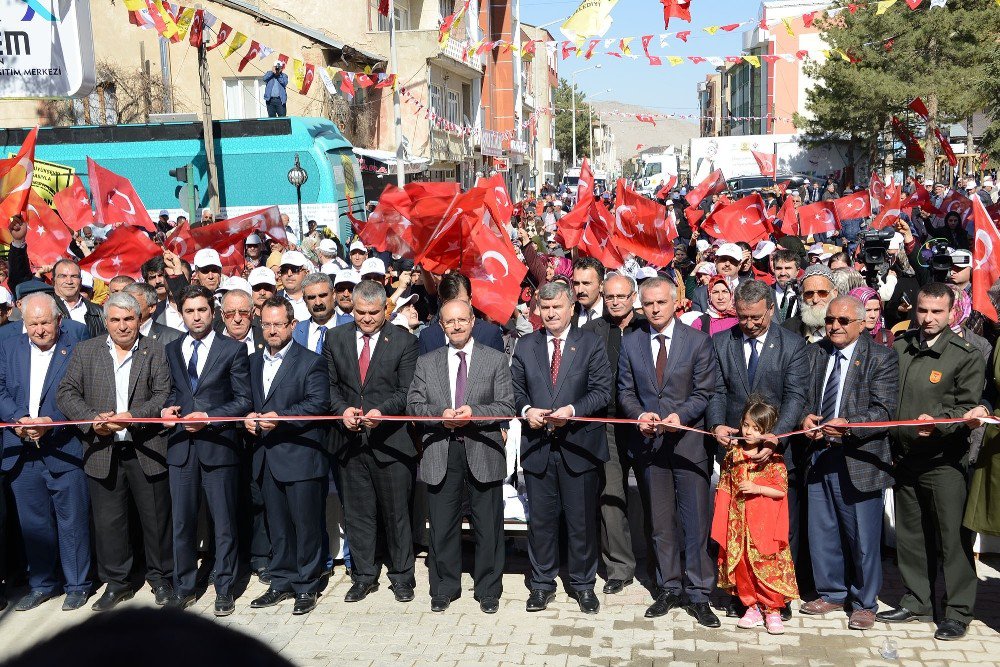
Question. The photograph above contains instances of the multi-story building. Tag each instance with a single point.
(710, 105)
(540, 79)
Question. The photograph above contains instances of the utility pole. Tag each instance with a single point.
(206, 125)
(168, 102)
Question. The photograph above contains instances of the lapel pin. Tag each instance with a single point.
(63, 351)
(857, 362)
(771, 346)
(572, 349)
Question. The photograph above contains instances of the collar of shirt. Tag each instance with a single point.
(39, 351)
(276, 357)
(927, 343)
(246, 339)
(79, 304)
(760, 341)
(314, 326)
(206, 342)
(111, 347)
(453, 351)
(848, 351)
(359, 337)
(668, 330)
(562, 337)
(145, 327)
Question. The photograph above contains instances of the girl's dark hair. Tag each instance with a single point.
(760, 412)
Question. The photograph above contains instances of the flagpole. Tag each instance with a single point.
(397, 118)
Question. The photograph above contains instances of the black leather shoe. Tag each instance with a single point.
(949, 630)
(664, 603)
(613, 586)
(181, 601)
(735, 608)
(786, 613)
(589, 604)
(162, 593)
(900, 615)
(305, 603)
(264, 576)
(269, 599)
(112, 599)
(403, 592)
(703, 613)
(33, 599)
(538, 600)
(74, 600)
(440, 603)
(224, 605)
(489, 605)
(359, 591)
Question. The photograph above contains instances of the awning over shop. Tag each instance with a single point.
(373, 161)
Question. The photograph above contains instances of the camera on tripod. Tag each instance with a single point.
(874, 254)
(941, 261)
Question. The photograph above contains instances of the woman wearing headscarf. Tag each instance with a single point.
(721, 313)
(874, 323)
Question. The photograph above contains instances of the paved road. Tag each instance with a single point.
(379, 631)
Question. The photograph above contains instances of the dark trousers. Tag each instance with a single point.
(275, 107)
(845, 527)
(345, 548)
(616, 537)
(677, 498)
(293, 512)
(254, 542)
(374, 491)
(220, 486)
(54, 511)
(929, 510)
(444, 504)
(109, 499)
(574, 495)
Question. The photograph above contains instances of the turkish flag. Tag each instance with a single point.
(16, 175)
(643, 227)
(307, 79)
(789, 217)
(405, 219)
(946, 147)
(878, 190)
(676, 9)
(818, 218)
(914, 153)
(48, 237)
(116, 201)
(492, 266)
(714, 183)
(921, 198)
(121, 254)
(252, 52)
(569, 228)
(743, 220)
(498, 203)
(986, 263)
(857, 205)
(266, 221)
(445, 246)
(919, 108)
(664, 192)
(957, 203)
(694, 216)
(73, 205)
(227, 237)
(597, 238)
(196, 33)
(180, 242)
(783, 187)
(889, 198)
(766, 163)
(220, 37)
(585, 184)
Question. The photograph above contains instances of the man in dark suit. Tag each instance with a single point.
(121, 376)
(758, 358)
(371, 367)
(146, 296)
(317, 292)
(288, 458)
(211, 378)
(44, 463)
(457, 286)
(465, 379)
(562, 372)
(855, 380)
(619, 318)
(666, 374)
(67, 279)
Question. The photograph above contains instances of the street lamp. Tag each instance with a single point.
(297, 176)
(573, 96)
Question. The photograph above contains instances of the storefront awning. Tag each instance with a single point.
(374, 161)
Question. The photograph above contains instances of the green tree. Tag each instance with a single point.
(564, 123)
(939, 55)
(991, 89)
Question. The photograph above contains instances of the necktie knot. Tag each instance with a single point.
(461, 355)
(753, 344)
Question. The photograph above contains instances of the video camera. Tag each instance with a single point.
(875, 254)
(941, 262)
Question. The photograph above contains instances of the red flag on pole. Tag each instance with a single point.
(492, 267)
(857, 205)
(115, 199)
(73, 205)
(642, 226)
(789, 217)
(48, 237)
(121, 254)
(818, 218)
(986, 263)
(220, 37)
(252, 52)
(766, 162)
(743, 220)
(714, 183)
(16, 176)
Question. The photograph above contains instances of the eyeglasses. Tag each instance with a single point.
(619, 297)
(842, 321)
(821, 293)
(230, 314)
(274, 325)
(756, 319)
(289, 269)
(209, 269)
(459, 321)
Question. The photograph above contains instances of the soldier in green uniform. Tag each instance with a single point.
(940, 376)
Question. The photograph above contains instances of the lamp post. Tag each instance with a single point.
(573, 96)
(297, 176)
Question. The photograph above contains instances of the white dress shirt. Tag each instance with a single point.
(145, 327)
(359, 338)
(172, 318)
(668, 331)
(300, 308)
(247, 341)
(746, 347)
(122, 371)
(78, 312)
(40, 361)
(453, 362)
(187, 348)
(271, 365)
(590, 314)
(313, 338)
(845, 364)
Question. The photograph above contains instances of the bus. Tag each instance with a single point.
(252, 158)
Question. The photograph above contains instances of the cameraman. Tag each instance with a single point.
(275, 95)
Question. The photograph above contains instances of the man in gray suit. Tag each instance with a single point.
(758, 358)
(121, 376)
(462, 380)
(854, 380)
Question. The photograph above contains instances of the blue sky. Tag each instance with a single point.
(666, 89)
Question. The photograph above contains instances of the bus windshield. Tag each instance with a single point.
(652, 169)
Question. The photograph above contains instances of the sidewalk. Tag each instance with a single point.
(379, 631)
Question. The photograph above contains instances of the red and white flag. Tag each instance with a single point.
(789, 217)
(73, 205)
(48, 238)
(116, 201)
(985, 260)
(252, 52)
(664, 192)
(713, 184)
(956, 202)
(766, 163)
(493, 269)
(744, 220)
(818, 218)
(121, 254)
(676, 9)
(853, 206)
(16, 176)
(643, 227)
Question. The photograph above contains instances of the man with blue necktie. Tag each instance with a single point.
(318, 293)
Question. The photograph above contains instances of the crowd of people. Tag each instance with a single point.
(320, 368)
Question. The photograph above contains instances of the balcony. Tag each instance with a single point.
(454, 50)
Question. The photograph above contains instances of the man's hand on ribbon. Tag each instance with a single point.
(194, 427)
(974, 416)
(561, 416)
(926, 431)
(650, 421)
(536, 417)
(166, 413)
(371, 418)
(352, 419)
(456, 418)
(724, 435)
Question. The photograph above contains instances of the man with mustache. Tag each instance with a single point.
(818, 291)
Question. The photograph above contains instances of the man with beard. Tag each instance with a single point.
(785, 266)
(818, 290)
(318, 293)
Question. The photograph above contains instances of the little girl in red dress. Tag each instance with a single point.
(751, 524)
